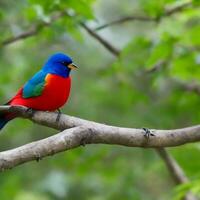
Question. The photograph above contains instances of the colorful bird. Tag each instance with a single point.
(47, 90)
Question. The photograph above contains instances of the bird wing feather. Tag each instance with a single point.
(35, 86)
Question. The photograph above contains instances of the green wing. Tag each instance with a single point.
(35, 86)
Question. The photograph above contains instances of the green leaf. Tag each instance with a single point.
(134, 55)
(161, 51)
(186, 67)
(153, 8)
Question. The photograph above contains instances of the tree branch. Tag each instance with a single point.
(84, 132)
(175, 170)
(106, 44)
(173, 167)
(178, 8)
(167, 12)
(34, 30)
(37, 150)
(63, 141)
(113, 135)
(125, 19)
(157, 67)
(191, 87)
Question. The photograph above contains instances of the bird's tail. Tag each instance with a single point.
(5, 118)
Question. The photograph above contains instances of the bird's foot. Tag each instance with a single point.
(38, 157)
(59, 115)
(30, 112)
(147, 133)
(83, 142)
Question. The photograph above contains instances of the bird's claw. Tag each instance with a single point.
(38, 157)
(59, 115)
(83, 142)
(30, 112)
(147, 133)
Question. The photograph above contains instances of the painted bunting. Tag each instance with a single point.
(47, 90)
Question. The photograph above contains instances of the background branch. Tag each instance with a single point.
(125, 19)
(105, 43)
(191, 87)
(34, 30)
(175, 170)
(167, 12)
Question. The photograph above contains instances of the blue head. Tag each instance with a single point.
(59, 64)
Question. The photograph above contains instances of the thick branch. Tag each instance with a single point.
(83, 132)
(63, 141)
(173, 167)
(111, 134)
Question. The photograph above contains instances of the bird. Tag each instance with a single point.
(47, 90)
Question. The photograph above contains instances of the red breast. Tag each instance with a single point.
(55, 94)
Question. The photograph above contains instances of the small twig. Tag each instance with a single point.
(157, 67)
(173, 10)
(191, 87)
(125, 19)
(187, 86)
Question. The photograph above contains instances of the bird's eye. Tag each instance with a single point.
(64, 63)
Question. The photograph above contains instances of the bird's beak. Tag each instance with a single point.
(72, 66)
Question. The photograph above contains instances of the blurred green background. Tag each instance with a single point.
(119, 90)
